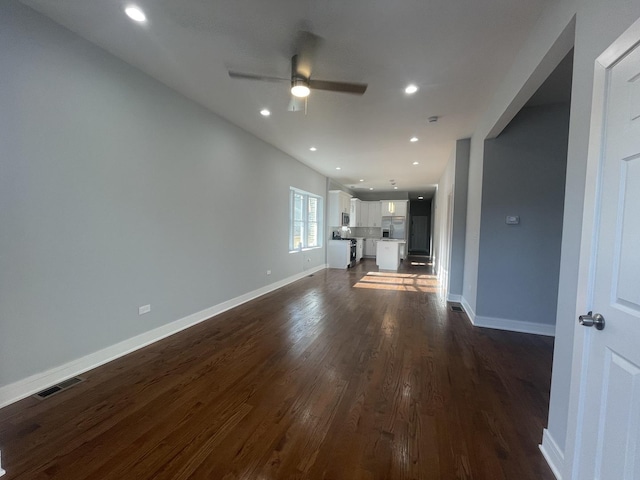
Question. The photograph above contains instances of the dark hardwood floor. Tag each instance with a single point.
(342, 375)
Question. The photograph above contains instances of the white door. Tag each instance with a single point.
(606, 439)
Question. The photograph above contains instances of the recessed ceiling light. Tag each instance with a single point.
(411, 89)
(395, 188)
(416, 163)
(413, 139)
(420, 198)
(134, 13)
(313, 149)
(362, 179)
(370, 188)
(338, 168)
(264, 112)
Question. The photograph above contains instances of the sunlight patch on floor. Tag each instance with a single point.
(405, 282)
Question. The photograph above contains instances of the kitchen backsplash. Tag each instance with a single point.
(366, 232)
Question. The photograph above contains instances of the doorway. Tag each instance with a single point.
(420, 227)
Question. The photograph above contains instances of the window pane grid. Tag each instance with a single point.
(305, 229)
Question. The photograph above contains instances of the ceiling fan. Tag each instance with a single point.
(301, 68)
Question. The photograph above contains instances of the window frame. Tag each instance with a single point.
(305, 222)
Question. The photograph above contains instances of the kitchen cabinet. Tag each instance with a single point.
(338, 254)
(364, 214)
(339, 203)
(355, 217)
(370, 247)
(359, 249)
(374, 217)
(388, 255)
(393, 208)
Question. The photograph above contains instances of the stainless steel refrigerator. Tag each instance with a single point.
(396, 226)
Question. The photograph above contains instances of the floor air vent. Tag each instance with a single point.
(456, 308)
(47, 392)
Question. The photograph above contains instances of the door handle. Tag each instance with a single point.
(591, 320)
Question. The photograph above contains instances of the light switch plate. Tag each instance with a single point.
(513, 220)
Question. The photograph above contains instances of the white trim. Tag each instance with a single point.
(23, 388)
(586, 265)
(552, 454)
(468, 310)
(454, 298)
(514, 325)
(2, 472)
(507, 324)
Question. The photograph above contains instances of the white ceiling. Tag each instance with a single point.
(454, 50)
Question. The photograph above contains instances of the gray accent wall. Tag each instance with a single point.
(117, 192)
(524, 175)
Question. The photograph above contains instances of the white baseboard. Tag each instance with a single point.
(23, 388)
(454, 298)
(507, 324)
(468, 310)
(552, 454)
(515, 325)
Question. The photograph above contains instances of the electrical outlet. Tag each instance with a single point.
(268, 272)
(144, 309)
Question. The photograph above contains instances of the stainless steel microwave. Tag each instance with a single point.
(345, 219)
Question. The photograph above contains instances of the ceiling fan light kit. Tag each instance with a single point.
(300, 88)
(301, 67)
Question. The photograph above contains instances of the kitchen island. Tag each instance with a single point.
(388, 254)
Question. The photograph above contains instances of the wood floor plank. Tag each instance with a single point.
(355, 374)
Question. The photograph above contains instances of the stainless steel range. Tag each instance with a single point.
(353, 251)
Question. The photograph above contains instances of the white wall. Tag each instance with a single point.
(117, 192)
(441, 225)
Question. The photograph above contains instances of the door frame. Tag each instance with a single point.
(627, 41)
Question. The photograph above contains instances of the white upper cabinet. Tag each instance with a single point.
(355, 217)
(339, 203)
(393, 208)
(364, 214)
(374, 217)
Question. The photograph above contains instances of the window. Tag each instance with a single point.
(305, 220)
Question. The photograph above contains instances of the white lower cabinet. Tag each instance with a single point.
(338, 253)
(370, 247)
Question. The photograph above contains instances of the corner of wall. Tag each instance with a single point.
(552, 454)
(471, 314)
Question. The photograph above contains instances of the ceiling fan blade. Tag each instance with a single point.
(343, 87)
(305, 48)
(251, 76)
